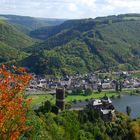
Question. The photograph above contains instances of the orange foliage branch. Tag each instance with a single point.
(13, 106)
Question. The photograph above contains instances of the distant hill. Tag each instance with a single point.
(81, 25)
(12, 41)
(29, 23)
(87, 45)
(73, 46)
(14, 38)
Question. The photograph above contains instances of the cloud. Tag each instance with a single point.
(127, 6)
(69, 8)
(89, 3)
(72, 7)
(125, 3)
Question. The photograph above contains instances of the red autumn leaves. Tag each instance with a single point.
(13, 106)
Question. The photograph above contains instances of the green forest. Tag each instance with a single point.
(79, 125)
(59, 47)
(81, 46)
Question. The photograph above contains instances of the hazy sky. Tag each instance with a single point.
(68, 8)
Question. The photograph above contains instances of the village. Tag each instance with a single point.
(103, 87)
(87, 81)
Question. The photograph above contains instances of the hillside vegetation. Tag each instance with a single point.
(73, 46)
(27, 24)
(11, 42)
(80, 46)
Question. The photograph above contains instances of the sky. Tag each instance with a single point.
(69, 9)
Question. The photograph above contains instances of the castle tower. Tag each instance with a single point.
(60, 98)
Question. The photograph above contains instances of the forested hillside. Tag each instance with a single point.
(29, 23)
(75, 46)
(87, 45)
(11, 42)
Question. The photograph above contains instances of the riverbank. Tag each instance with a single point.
(37, 99)
(109, 93)
(94, 95)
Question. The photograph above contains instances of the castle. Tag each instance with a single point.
(105, 107)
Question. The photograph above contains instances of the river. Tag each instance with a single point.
(119, 104)
(128, 100)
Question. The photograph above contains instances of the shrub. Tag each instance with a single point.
(112, 96)
(88, 91)
(86, 100)
(75, 101)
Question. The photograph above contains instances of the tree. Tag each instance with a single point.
(77, 91)
(134, 130)
(55, 109)
(99, 88)
(13, 106)
(116, 86)
(67, 105)
(120, 86)
(128, 110)
(71, 125)
(88, 91)
(47, 106)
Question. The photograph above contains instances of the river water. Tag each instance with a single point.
(128, 100)
(120, 104)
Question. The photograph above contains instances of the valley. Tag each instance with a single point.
(82, 80)
(73, 46)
